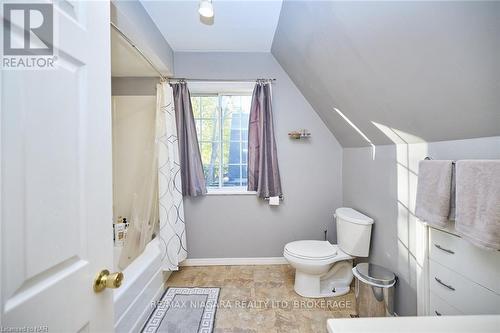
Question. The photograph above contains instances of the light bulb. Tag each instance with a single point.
(206, 9)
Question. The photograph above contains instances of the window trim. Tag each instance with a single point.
(237, 190)
(220, 190)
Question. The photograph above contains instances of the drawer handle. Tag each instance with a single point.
(443, 249)
(444, 284)
(438, 313)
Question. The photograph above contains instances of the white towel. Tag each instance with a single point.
(434, 191)
(478, 202)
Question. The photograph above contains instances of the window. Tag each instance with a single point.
(222, 128)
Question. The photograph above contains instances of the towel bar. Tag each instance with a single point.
(428, 159)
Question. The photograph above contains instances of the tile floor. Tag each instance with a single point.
(262, 299)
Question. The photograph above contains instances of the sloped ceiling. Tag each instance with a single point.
(430, 71)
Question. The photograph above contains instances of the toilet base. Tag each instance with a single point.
(336, 282)
(338, 291)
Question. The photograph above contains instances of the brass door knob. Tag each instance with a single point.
(105, 279)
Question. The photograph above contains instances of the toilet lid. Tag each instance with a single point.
(311, 249)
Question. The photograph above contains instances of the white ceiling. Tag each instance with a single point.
(238, 25)
(125, 60)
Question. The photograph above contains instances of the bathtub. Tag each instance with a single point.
(143, 284)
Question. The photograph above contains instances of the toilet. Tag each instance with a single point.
(324, 269)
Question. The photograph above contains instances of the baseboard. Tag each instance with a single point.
(234, 261)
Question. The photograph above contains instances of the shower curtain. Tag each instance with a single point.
(171, 209)
(158, 204)
(143, 219)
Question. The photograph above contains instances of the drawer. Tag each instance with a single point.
(439, 307)
(461, 293)
(479, 265)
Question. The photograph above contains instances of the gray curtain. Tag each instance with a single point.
(263, 170)
(193, 179)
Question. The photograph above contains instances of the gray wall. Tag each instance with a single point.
(134, 86)
(396, 63)
(134, 21)
(242, 225)
(385, 187)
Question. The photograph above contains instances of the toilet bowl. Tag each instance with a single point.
(312, 260)
(324, 269)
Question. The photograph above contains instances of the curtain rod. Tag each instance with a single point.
(131, 42)
(217, 80)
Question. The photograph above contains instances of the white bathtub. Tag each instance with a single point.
(143, 284)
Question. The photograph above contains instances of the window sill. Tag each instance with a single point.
(230, 192)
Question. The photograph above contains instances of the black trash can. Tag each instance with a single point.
(374, 290)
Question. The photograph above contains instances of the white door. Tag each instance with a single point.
(56, 181)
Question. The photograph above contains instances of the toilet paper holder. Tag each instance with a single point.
(281, 198)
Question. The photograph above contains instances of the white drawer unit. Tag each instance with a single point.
(479, 265)
(439, 307)
(460, 292)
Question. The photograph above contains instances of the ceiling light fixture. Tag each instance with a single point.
(206, 9)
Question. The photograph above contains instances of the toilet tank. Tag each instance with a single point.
(353, 232)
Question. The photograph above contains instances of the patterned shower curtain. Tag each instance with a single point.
(171, 209)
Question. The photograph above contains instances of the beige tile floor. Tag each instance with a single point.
(262, 299)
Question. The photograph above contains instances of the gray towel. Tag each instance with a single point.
(434, 191)
(478, 202)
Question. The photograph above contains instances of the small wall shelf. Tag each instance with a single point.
(300, 134)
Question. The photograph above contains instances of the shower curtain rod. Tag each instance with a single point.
(131, 42)
(218, 80)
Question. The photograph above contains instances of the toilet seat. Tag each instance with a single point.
(311, 250)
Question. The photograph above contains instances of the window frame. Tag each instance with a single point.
(221, 190)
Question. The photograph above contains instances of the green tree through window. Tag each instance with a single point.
(222, 127)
